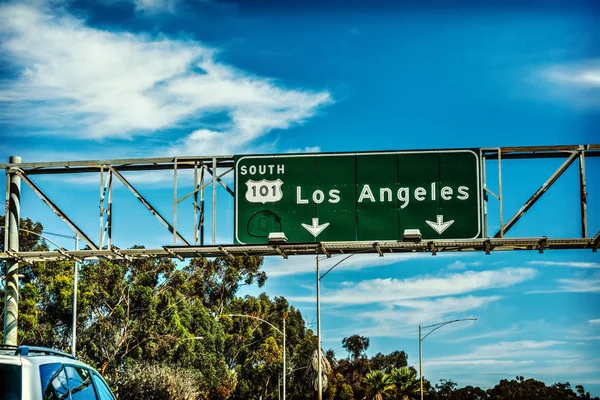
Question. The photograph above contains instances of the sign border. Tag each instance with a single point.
(366, 153)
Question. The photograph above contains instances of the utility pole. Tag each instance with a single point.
(284, 367)
(11, 243)
(75, 282)
(421, 361)
(421, 338)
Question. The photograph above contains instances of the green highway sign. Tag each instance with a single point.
(371, 196)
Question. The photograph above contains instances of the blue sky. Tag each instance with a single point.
(146, 78)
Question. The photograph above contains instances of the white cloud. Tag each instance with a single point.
(573, 264)
(478, 363)
(594, 321)
(578, 82)
(414, 312)
(90, 83)
(590, 285)
(456, 265)
(155, 5)
(276, 267)
(308, 149)
(420, 311)
(514, 351)
(585, 74)
(394, 291)
(508, 349)
(492, 334)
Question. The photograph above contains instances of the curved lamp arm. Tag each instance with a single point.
(441, 324)
(42, 236)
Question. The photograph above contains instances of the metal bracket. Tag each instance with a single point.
(280, 252)
(226, 253)
(432, 248)
(118, 253)
(65, 253)
(596, 243)
(378, 248)
(542, 244)
(488, 247)
(324, 250)
(171, 252)
(17, 257)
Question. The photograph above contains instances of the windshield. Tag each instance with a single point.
(10, 384)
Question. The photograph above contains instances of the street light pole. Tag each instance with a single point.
(421, 361)
(278, 330)
(319, 367)
(284, 358)
(421, 338)
(319, 277)
(75, 284)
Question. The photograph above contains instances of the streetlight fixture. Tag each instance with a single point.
(421, 338)
(319, 277)
(274, 327)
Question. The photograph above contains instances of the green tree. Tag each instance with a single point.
(395, 359)
(469, 393)
(377, 383)
(356, 345)
(217, 282)
(445, 389)
(141, 381)
(254, 349)
(405, 382)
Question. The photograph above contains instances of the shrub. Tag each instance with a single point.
(155, 382)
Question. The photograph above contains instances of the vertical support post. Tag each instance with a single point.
(6, 210)
(214, 200)
(421, 361)
(75, 284)
(195, 203)
(101, 241)
(583, 195)
(319, 368)
(485, 196)
(175, 202)
(109, 216)
(11, 285)
(284, 371)
(202, 205)
(500, 191)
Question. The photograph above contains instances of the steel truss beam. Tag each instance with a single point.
(145, 202)
(54, 208)
(325, 248)
(570, 152)
(536, 196)
(219, 166)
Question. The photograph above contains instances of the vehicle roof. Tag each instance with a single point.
(37, 356)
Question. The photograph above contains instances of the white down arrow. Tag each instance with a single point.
(440, 226)
(315, 229)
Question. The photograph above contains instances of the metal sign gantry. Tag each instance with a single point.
(210, 172)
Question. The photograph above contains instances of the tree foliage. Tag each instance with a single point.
(159, 330)
(141, 381)
(377, 383)
(356, 345)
